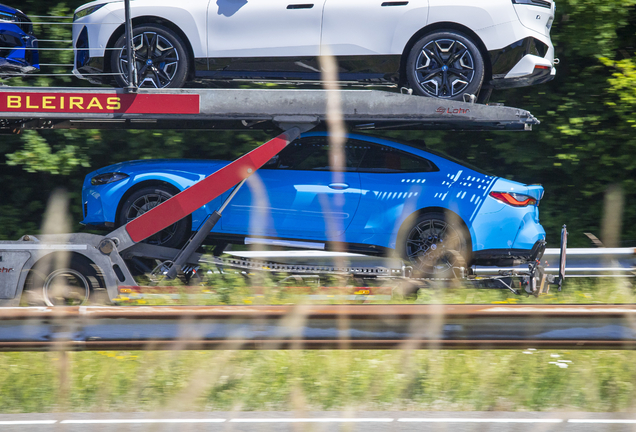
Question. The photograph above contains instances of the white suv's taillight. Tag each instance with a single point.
(540, 3)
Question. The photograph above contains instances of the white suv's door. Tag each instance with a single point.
(264, 28)
(371, 27)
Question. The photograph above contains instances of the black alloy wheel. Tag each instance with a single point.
(160, 55)
(146, 199)
(445, 65)
(433, 246)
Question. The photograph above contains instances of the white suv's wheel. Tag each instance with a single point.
(445, 65)
(160, 56)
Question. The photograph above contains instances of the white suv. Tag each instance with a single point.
(439, 48)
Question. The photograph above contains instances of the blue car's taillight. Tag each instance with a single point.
(513, 199)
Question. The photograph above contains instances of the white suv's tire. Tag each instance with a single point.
(161, 57)
(446, 65)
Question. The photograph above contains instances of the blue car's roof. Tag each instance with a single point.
(373, 139)
(426, 153)
(203, 166)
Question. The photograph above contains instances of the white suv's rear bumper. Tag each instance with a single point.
(530, 70)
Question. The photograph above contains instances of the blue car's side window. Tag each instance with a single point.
(313, 154)
(383, 159)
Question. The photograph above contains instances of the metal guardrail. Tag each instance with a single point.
(584, 262)
(311, 327)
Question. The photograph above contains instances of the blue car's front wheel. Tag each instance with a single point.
(434, 244)
(146, 199)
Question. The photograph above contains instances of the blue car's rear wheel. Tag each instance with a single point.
(160, 57)
(446, 65)
(433, 245)
(146, 199)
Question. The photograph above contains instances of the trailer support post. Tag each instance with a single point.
(199, 237)
(130, 50)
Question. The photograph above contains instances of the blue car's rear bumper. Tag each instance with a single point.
(504, 257)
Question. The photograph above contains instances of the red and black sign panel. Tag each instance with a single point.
(99, 103)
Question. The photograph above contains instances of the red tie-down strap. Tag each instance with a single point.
(204, 191)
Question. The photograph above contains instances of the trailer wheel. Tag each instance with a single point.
(161, 58)
(406, 290)
(76, 283)
(446, 65)
(146, 199)
(433, 245)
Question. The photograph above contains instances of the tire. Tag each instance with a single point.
(161, 57)
(484, 95)
(58, 280)
(434, 245)
(406, 290)
(145, 199)
(446, 65)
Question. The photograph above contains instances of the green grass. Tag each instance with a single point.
(514, 380)
(318, 380)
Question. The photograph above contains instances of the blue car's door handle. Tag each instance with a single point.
(339, 186)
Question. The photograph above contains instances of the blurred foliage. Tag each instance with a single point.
(36, 156)
(584, 144)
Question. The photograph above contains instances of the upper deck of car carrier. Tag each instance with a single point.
(104, 108)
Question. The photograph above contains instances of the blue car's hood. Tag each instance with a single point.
(190, 165)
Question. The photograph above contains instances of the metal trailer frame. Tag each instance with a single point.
(246, 109)
(294, 111)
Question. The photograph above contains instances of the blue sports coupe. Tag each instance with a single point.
(18, 45)
(388, 197)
